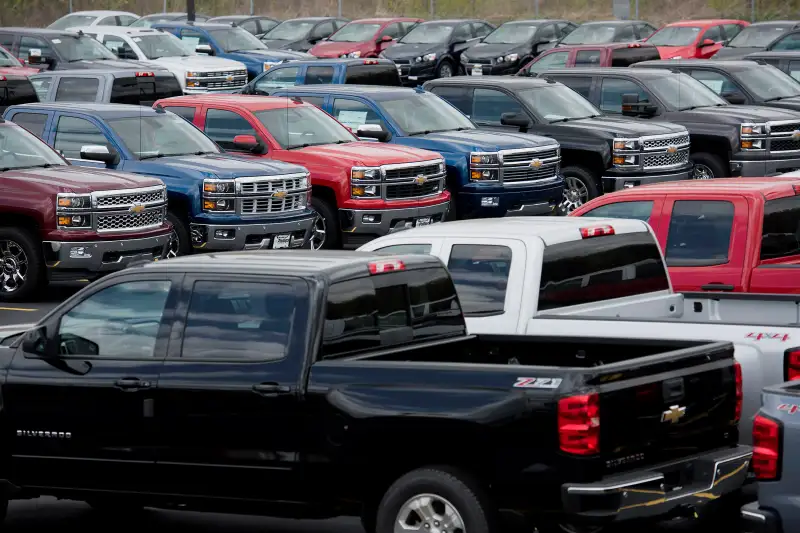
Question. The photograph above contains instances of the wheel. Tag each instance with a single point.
(326, 226)
(580, 187)
(435, 500)
(179, 240)
(445, 70)
(707, 166)
(21, 264)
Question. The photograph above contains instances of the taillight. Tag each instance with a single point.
(766, 448)
(579, 424)
(145, 74)
(597, 231)
(379, 267)
(791, 364)
(737, 371)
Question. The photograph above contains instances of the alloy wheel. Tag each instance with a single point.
(429, 513)
(13, 265)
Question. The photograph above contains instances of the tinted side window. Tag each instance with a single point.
(390, 310)
(565, 28)
(612, 91)
(42, 86)
(546, 33)
(794, 69)
(392, 30)
(182, 111)
(405, 249)
(717, 82)
(639, 210)
(193, 38)
(581, 85)
(278, 79)
(480, 273)
(731, 30)
(552, 60)
(222, 126)
(482, 30)
(108, 21)
(489, 105)
(119, 47)
(249, 26)
(600, 268)
(319, 75)
(625, 35)
(645, 30)
(323, 30)
(353, 113)
(587, 58)
(126, 20)
(790, 42)
(318, 101)
(121, 321)
(699, 233)
(781, 236)
(144, 91)
(7, 42)
(385, 75)
(33, 122)
(714, 33)
(72, 133)
(462, 33)
(77, 89)
(26, 44)
(460, 97)
(239, 320)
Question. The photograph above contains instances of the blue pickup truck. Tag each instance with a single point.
(230, 42)
(216, 202)
(490, 174)
(325, 72)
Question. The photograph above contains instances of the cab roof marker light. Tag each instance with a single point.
(596, 231)
(145, 74)
(381, 267)
(370, 61)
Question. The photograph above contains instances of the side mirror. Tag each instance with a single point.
(734, 97)
(386, 39)
(69, 344)
(96, 152)
(35, 341)
(35, 57)
(517, 120)
(373, 131)
(632, 107)
(126, 54)
(249, 143)
(204, 49)
(707, 42)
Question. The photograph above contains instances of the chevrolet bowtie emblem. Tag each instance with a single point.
(536, 163)
(672, 149)
(279, 194)
(419, 180)
(228, 78)
(135, 209)
(673, 414)
(796, 135)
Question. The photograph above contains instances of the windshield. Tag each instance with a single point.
(355, 33)
(768, 83)
(290, 30)
(514, 33)
(431, 33)
(425, 113)
(591, 34)
(675, 36)
(146, 22)
(7, 60)
(161, 135)
(236, 39)
(303, 126)
(72, 21)
(21, 149)
(80, 48)
(161, 45)
(757, 36)
(681, 92)
(557, 102)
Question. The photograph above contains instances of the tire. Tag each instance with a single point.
(574, 196)
(180, 233)
(708, 163)
(446, 66)
(437, 488)
(21, 265)
(326, 227)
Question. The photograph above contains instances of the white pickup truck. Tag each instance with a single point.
(601, 278)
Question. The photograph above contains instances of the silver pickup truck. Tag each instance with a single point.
(601, 278)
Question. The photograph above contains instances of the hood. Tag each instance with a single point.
(729, 53)
(736, 114)
(792, 103)
(621, 127)
(223, 166)
(76, 179)
(482, 141)
(366, 153)
(197, 62)
(492, 51)
(282, 44)
(18, 71)
(677, 52)
(106, 64)
(334, 49)
(410, 51)
(275, 56)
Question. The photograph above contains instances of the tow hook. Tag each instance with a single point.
(686, 511)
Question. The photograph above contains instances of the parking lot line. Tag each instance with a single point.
(17, 309)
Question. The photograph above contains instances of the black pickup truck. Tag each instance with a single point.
(727, 140)
(326, 384)
(598, 153)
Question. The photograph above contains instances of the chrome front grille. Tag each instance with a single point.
(117, 222)
(784, 136)
(129, 197)
(784, 145)
(665, 159)
(665, 142)
(271, 195)
(665, 151)
(412, 180)
(784, 127)
(518, 166)
(526, 156)
(267, 206)
(222, 74)
(403, 173)
(270, 185)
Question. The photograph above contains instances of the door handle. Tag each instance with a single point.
(131, 384)
(717, 287)
(269, 389)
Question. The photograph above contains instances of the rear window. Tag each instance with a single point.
(781, 236)
(372, 75)
(16, 91)
(389, 310)
(480, 273)
(600, 268)
(623, 57)
(144, 90)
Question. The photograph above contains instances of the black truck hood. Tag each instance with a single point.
(493, 51)
(610, 127)
(732, 54)
(107, 64)
(410, 51)
(733, 114)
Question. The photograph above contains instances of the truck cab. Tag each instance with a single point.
(123, 86)
(325, 71)
(490, 174)
(216, 202)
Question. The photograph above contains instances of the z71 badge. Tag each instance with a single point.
(538, 383)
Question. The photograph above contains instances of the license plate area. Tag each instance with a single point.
(281, 241)
(423, 221)
(477, 70)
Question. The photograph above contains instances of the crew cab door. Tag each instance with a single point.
(79, 400)
(69, 134)
(228, 406)
(704, 240)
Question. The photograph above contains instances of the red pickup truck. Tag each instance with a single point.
(735, 234)
(591, 55)
(361, 190)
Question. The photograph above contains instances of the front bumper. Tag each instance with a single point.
(509, 200)
(68, 261)
(235, 237)
(661, 491)
(496, 69)
(360, 226)
(417, 73)
(770, 167)
(620, 182)
(224, 90)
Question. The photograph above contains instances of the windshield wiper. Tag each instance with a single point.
(44, 165)
(565, 119)
(781, 98)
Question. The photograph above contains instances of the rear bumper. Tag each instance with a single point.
(650, 494)
(360, 226)
(758, 520)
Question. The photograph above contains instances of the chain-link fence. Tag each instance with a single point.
(42, 12)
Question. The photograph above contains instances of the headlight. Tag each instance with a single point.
(354, 54)
(750, 134)
(442, 167)
(70, 201)
(627, 145)
(626, 160)
(427, 58)
(219, 186)
(510, 58)
(365, 182)
(218, 204)
(74, 221)
(192, 74)
(478, 161)
(481, 158)
(753, 129)
(67, 211)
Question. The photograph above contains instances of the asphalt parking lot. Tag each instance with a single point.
(31, 311)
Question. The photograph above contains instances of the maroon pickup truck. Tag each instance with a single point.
(67, 223)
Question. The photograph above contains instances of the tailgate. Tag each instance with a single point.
(664, 406)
